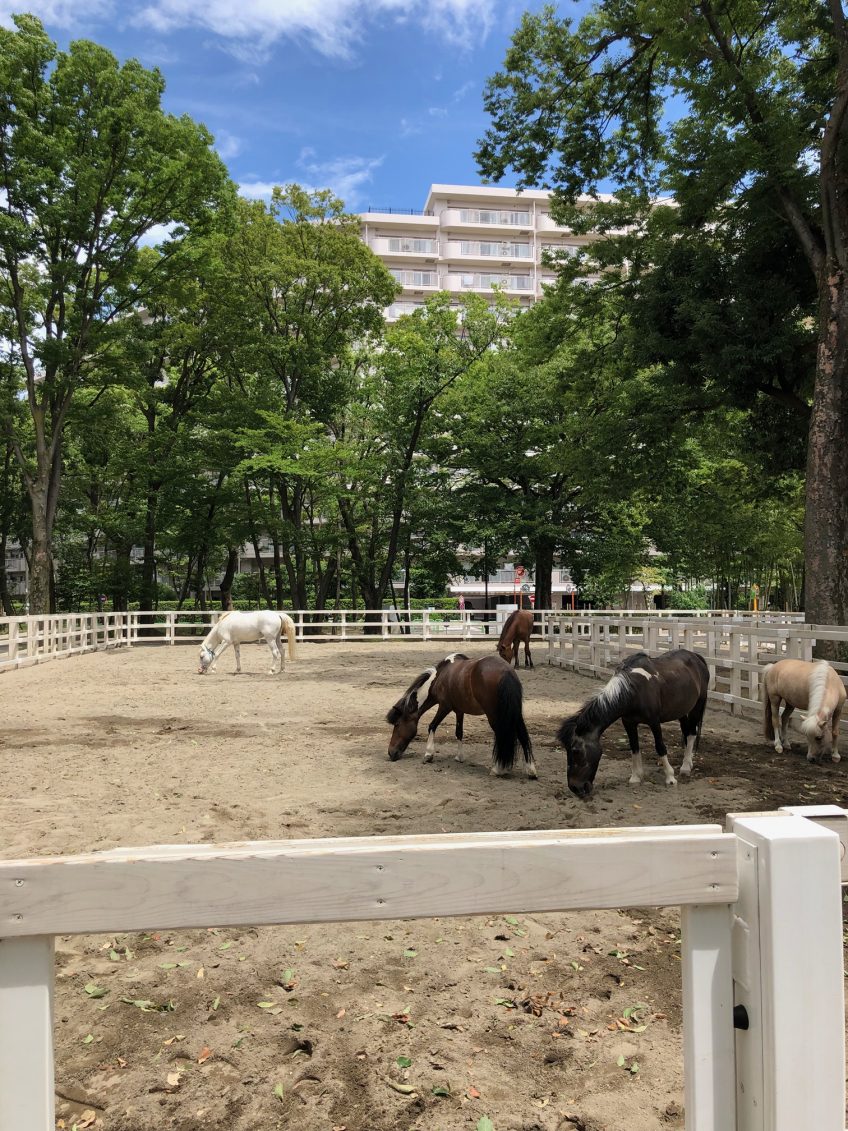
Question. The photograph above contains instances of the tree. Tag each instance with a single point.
(764, 95)
(384, 437)
(89, 164)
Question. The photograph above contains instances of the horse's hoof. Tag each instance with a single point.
(532, 774)
(428, 757)
(671, 781)
(634, 779)
(835, 757)
(496, 773)
(685, 772)
(458, 758)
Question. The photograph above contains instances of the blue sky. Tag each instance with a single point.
(375, 99)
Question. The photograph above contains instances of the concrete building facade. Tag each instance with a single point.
(469, 239)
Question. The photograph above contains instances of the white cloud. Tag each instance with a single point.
(227, 144)
(156, 235)
(249, 28)
(60, 13)
(437, 112)
(347, 177)
(257, 190)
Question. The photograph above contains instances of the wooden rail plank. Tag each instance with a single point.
(363, 879)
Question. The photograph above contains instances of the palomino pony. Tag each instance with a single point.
(517, 629)
(816, 688)
(642, 690)
(238, 628)
(487, 686)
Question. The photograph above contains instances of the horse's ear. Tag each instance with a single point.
(394, 715)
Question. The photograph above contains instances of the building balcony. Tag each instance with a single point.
(504, 251)
(493, 219)
(417, 280)
(486, 281)
(405, 247)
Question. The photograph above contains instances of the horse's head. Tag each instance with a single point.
(583, 753)
(207, 657)
(503, 650)
(404, 722)
(819, 739)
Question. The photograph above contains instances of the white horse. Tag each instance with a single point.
(238, 628)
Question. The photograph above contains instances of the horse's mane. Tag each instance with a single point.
(408, 702)
(605, 705)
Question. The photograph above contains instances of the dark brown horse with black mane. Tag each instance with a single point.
(517, 629)
(487, 686)
(642, 690)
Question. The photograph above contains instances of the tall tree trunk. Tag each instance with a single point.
(147, 595)
(254, 538)
(826, 521)
(544, 549)
(227, 579)
(41, 565)
(5, 596)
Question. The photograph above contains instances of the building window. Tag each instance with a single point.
(492, 216)
(420, 246)
(414, 278)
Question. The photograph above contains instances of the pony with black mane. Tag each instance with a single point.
(517, 629)
(487, 686)
(642, 690)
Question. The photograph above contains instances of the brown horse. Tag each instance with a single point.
(816, 688)
(517, 629)
(643, 690)
(487, 686)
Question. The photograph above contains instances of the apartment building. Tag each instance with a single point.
(469, 239)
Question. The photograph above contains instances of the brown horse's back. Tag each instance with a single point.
(469, 686)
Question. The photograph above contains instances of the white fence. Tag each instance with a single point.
(761, 934)
(735, 650)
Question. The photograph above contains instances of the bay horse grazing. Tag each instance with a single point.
(238, 628)
(816, 688)
(517, 629)
(487, 686)
(645, 690)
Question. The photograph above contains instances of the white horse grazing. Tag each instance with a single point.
(816, 688)
(248, 628)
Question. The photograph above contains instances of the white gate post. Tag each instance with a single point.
(788, 976)
(708, 1039)
(26, 1034)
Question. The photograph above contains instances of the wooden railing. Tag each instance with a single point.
(735, 650)
(761, 932)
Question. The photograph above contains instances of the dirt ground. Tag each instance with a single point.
(540, 1023)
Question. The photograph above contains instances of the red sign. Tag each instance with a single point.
(519, 572)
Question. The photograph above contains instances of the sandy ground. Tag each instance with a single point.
(427, 1024)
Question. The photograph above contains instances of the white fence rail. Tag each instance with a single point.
(762, 931)
(735, 650)
(32, 639)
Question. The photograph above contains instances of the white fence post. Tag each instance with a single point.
(788, 976)
(26, 1034)
(709, 1070)
(425, 624)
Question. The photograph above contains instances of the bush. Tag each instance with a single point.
(696, 598)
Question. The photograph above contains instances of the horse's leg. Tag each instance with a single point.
(430, 752)
(785, 743)
(774, 707)
(237, 651)
(277, 655)
(834, 731)
(691, 725)
(218, 655)
(459, 719)
(662, 754)
(637, 772)
(528, 659)
(516, 644)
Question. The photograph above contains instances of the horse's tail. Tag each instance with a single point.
(287, 626)
(768, 724)
(509, 726)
